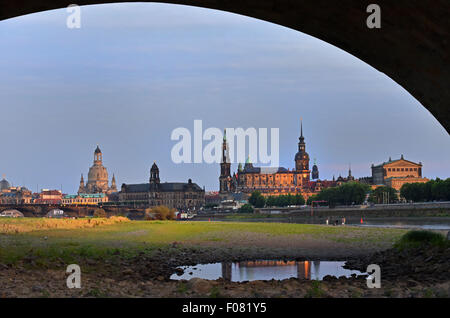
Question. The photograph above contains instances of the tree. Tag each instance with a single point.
(246, 208)
(160, 212)
(299, 199)
(433, 190)
(257, 199)
(346, 194)
(382, 194)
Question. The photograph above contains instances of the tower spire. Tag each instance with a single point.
(301, 127)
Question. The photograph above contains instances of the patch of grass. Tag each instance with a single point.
(215, 292)
(72, 241)
(414, 239)
(388, 292)
(315, 291)
(182, 288)
(45, 294)
(354, 293)
(428, 293)
(95, 292)
(23, 225)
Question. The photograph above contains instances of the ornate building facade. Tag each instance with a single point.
(269, 181)
(97, 177)
(177, 195)
(84, 199)
(395, 173)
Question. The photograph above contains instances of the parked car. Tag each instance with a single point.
(56, 214)
(12, 214)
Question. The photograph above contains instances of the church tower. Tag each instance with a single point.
(350, 177)
(225, 166)
(98, 156)
(154, 177)
(113, 184)
(81, 188)
(302, 159)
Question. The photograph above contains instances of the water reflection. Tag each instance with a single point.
(265, 270)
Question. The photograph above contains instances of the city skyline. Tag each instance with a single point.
(125, 81)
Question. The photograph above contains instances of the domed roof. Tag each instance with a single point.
(154, 167)
(97, 150)
(301, 155)
(315, 168)
(4, 184)
(97, 173)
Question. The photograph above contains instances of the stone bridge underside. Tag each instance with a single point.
(412, 47)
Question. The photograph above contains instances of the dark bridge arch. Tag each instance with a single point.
(412, 47)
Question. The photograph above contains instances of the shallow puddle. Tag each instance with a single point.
(265, 270)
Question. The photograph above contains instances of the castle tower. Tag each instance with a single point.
(154, 177)
(315, 171)
(302, 159)
(225, 167)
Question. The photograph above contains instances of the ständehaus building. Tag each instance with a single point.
(269, 181)
(178, 195)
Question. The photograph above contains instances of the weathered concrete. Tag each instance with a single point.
(412, 47)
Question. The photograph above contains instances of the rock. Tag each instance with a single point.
(127, 271)
(37, 288)
(199, 286)
(329, 278)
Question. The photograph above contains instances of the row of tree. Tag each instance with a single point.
(356, 193)
(433, 190)
(345, 194)
(259, 201)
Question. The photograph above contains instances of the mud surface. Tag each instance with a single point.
(417, 273)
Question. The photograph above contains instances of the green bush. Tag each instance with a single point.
(420, 238)
(246, 208)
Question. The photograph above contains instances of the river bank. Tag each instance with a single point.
(137, 259)
(147, 276)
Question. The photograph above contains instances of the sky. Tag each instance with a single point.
(135, 72)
